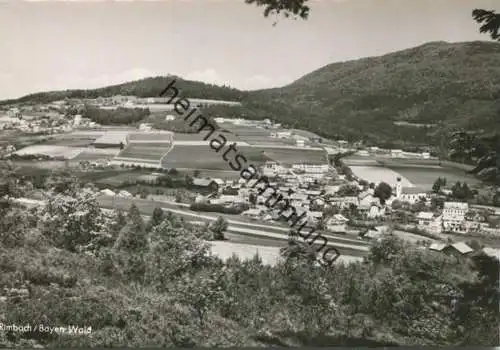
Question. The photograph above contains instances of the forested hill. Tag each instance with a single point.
(147, 87)
(454, 83)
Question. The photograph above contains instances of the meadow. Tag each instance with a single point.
(203, 157)
(90, 154)
(194, 157)
(187, 137)
(119, 179)
(418, 175)
(298, 155)
(265, 140)
(51, 150)
(145, 151)
(150, 136)
(70, 140)
(424, 177)
(378, 174)
(242, 130)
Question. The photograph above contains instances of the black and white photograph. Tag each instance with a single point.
(249, 173)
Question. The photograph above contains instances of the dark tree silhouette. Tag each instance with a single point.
(383, 191)
(489, 19)
(490, 22)
(289, 8)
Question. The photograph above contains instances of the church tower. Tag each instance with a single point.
(399, 188)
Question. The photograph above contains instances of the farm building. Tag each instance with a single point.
(125, 194)
(253, 213)
(495, 253)
(212, 184)
(427, 221)
(282, 134)
(456, 249)
(372, 210)
(107, 192)
(145, 127)
(372, 234)
(337, 223)
(311, 168)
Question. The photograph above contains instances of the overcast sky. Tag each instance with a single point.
(47, 45)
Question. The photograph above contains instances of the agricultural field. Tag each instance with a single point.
(266, 140)
(378, 174)
(20, 139)
(119, 179)
(150, 136)
(81, 142)
(305, 133)
(97, 153)
(243, 131)
(41, 165)
(70, 140)
(145, 151)
(50, 150)
(425, 176)
(112, 138)
(295, 155)
(194, 157)
(199, 136)
(178, 136)
(228, 174)
(418, 176)
(203, 157)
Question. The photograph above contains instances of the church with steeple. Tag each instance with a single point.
(411, 195)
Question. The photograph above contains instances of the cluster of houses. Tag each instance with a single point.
(393, 153)
(47, 119)
(261, 124)
(456, 217)
(317, 188)
(141, 102)
(310, 192)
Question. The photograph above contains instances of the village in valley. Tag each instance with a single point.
(326, 181)
(251, 173)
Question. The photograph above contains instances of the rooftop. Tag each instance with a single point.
(412, 190)
(462, 247)
(438, 246)
(455, 205)
(425, 215)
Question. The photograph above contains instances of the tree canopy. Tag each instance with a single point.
(490, 22)
(289, 8)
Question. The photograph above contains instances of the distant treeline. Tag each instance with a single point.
(116, 116)
(218, 208)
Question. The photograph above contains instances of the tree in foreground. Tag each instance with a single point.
(156, 219)
(289, 8)
(490, 22)
(218, 228)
